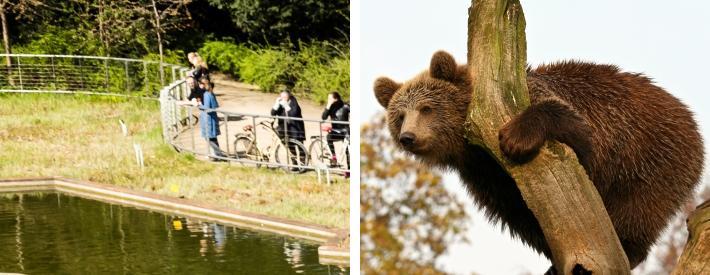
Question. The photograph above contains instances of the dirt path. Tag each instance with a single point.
(245, 98)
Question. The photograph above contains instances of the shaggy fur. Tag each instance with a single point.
(639, 145)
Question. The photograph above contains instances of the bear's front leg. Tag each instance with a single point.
(521, 137)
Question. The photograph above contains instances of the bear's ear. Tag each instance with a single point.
(443, 66)
(384, 89)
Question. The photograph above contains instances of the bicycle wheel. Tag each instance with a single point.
(245, 148)
(297, 155)
(319, 153)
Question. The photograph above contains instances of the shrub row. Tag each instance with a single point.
(314, 69)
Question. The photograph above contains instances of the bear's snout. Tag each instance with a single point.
(407, 139)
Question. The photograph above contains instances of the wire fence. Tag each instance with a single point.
(86, 74)
(251, 139)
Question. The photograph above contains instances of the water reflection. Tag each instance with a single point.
(70, 235)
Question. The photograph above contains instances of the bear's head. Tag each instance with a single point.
(426, 114)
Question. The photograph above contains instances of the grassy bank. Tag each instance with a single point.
(79, 137)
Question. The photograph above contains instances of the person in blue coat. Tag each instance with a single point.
(209, 123)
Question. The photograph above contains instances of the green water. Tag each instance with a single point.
(50, 233)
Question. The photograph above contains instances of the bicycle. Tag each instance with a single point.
(320, 153)
(246, 147)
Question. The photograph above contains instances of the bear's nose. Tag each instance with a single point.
(406, 138)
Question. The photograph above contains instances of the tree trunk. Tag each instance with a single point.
(696, 255)
(5, 36)
(102, 29)
(554, 185)
(160, 41)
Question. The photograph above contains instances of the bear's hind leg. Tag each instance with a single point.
(521, 138)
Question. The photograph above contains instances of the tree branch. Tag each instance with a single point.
(696, 255)
(555, 187)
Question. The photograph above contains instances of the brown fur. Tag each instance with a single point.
(639, 144)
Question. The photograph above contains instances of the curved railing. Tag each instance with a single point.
(180, 130)
(142, 78)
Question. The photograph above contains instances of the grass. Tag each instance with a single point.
(78, 136)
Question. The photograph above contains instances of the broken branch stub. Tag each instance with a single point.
(696, 254)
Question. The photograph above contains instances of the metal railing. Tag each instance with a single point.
(86, 74)
(32, 73)
(180, 130)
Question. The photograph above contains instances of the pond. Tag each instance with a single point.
(48, 232)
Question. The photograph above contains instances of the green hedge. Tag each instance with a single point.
(315, 69)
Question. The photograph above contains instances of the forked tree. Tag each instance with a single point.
(554, 185)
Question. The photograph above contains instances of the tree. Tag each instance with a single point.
(696, 255)
(25, 9)
(277, 20)
(168, 14)
(408, 220)
(5, 37)
(670, 247)
(575, 223)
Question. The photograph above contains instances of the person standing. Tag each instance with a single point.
(286, 105)
(338, 111)
(195, 91)
(209, 123)
(199, 66)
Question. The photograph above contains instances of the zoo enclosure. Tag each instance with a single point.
(43, 73)
(86, 74)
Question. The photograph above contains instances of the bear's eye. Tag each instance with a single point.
(400, 117)
(425, 110)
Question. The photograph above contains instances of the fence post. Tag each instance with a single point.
(54, 72)
(173, 73)
(253, 125)
(106, 72)
(162, 74)
(192, 129)
(128, 78)
(81, 73)
(288, 143)
(322, 150)
(145, 77)
(226, 132)
(19, 67)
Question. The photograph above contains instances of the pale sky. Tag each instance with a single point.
(670, 43)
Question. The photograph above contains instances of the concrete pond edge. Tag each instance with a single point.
(330, 251)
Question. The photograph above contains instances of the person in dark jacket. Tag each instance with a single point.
(337, 110)
(209, 123)
(195, 91)
(286, 105)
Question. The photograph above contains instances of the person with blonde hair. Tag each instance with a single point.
(199, 67)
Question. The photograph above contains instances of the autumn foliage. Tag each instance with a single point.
(408, 219)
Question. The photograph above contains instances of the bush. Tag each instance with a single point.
(61, 41)
(225, 56)
(268, 68)
(325, 68)
(315, 69)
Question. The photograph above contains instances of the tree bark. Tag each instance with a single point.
(160, 41)
(554, 185)
(5, 35)
(102, 31)
(696, 255)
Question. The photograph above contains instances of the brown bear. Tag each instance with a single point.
(639, 144)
